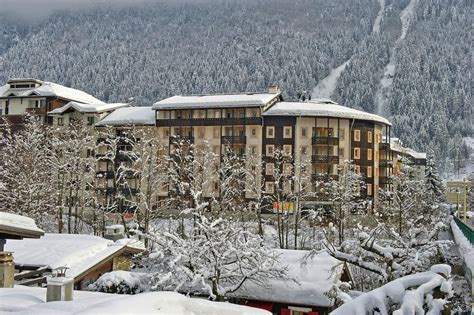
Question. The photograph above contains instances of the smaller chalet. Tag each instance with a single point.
(304, 292)
(87, 257)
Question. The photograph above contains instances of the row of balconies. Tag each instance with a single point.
(208, 121)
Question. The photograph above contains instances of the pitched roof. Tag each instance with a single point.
(78, 252)
(15, 225)
(321, 108)
(48, 89)
(87, 108)
(130, 116)
(216, 101)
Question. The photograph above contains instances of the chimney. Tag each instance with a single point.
(59, 287)
(7, 269)
(274, 89)
(114, 232)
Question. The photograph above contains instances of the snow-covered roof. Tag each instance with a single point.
(78, 252)
(321, 108)
(216, 101)
(306, 284)
(416, 155)
(18, 225)
(31, 300)
(88, 108)
(129, 116)
(48, 89)
(397, 146)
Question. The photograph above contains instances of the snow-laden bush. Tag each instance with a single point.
(121, 282)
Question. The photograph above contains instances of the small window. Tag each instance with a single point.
(356, 135)
(357, 169)
(60, 121)
(254, 132)
(369, 136)
(287, 149)
(369, 189)
(270, 132)
(216, 186)
(304, 132)
(369, 154)
(269, 187)
(217, 114)
(269, 150)
(369, 171)
(90, 120)
(287, 132)
(254, 114)
(287, 168)
(342, 134)
(357, 153)
(269, 168)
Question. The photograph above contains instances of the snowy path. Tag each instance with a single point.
(378, 19)
(381, 98)
(325, 88)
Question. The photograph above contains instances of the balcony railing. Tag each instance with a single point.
(209, 121)
(181, 139)
(234, 140)
(385, 163)
(36, 111)
(323, 177)
(325, 159)
(325, 140)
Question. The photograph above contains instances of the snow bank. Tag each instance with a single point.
(27, 300)
(465, 247)
(122, 282)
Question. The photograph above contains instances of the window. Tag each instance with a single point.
(60, 121)
(356, 135)
(369, 154)
(216, 132)
(369, 136)
(287, 149)
(369, 189)
(341, 152)
(287, 132)
(304, 132)
(270, 132)
(269, 187)
(269, 167)
(216, 186)
(287, 167)
(342, 135)
(253, 149)
(90, 120)
(357, 169)
(253, 132)
(357, 153)
(369, 171)
(242, 114)
(269, 150)
(217, 114)
(254, 113)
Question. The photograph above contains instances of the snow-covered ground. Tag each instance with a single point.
(386, 81)
(378, 19)
(27, 300)
(465, 247)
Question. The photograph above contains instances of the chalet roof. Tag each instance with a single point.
(87, 108)
(216, 101)
(47, 89)
(78, 252)
(308, 280)
(130, 116)
(321, 108)
(18, 226)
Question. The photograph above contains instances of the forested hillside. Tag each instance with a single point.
(166, 48)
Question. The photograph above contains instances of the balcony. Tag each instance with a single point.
(323, 177)
(385, 163)
(384, 146)
(234, 139)
(36, 111)
(209, 121)
(179, 139)
(325, 140)
(325, 159)
(385, 180)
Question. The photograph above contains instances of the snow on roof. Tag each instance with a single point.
(49, 89)
(306, 283)
(129, 116)
(416, 155)
(216, 101)
(78, 252)
(19, 225)
(321, 108)
(397, 146)
(31, 300)
(88, 108)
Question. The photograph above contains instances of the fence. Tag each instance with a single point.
(466, 229)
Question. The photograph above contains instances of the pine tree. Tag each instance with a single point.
(433, 182)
